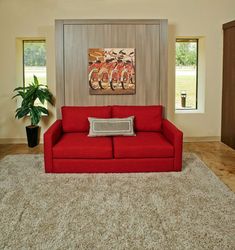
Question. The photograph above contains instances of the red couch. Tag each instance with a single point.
(156, 147)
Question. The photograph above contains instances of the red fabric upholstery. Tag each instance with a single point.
(79, 145)
(112, 165)
(75, 119)
(156, 147)
(51, 137)
(143, 145)
(147, 118)
(175, 136)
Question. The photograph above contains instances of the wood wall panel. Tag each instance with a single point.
(163, 65)
(60, 91)
(146, 36)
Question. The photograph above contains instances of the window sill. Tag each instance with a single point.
(43, 115)
(188, 111)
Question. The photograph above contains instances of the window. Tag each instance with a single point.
(186, 92)
(34, 61)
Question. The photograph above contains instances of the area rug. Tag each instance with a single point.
(191, 209)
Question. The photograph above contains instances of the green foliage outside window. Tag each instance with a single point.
(186, 53)
(34, 53)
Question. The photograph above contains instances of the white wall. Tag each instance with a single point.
(33, 18)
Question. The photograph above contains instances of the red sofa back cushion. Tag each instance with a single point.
(147, 118)
(75, 119)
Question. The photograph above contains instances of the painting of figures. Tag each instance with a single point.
(111, 71)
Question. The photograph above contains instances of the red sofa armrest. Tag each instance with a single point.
(175, 137)
(51, 136)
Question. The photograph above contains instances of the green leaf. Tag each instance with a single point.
(35, 80)
(20, 88)
(20, 93)
(42, 110)
(30, 96)
(35, 115)
(44, 95)
(21, 112)
(41, 96)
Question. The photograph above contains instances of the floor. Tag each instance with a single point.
(218, 157)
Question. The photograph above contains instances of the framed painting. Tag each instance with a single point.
(111, 71)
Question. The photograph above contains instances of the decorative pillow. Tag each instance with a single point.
(111, 127)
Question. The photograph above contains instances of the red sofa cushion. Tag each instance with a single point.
(143, 145)
(79, 145)
(147, 118)
(75, 119)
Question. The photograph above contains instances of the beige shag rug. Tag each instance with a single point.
(191, 209)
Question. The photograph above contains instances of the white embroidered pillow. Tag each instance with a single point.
(111, 126)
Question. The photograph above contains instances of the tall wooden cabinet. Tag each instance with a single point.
(228, 99)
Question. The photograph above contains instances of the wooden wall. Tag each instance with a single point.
(75, 37)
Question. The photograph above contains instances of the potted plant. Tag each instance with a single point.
(29, 95)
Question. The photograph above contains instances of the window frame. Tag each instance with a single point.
(23, 47)
(196, 40)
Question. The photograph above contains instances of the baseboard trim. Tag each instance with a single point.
(16, 140)
(202, 139)
(186, 139)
